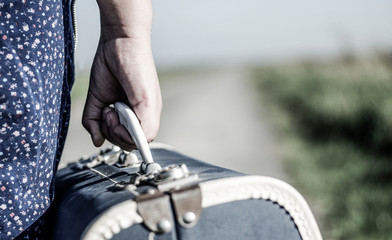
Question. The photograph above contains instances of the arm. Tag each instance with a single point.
(123, 70)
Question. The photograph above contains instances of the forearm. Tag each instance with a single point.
(125, 19)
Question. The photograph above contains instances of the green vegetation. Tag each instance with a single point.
(79, 89)
(335, 121)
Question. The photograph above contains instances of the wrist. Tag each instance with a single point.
(125, 19)
(109, 33)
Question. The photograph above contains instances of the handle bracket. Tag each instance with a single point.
(131, 123)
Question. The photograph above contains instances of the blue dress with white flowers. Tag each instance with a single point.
(36, 74)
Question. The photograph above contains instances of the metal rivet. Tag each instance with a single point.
(128, 159)
(164, 225)
(151, 191)
(189, 217)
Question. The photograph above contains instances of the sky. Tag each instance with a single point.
(204, 32)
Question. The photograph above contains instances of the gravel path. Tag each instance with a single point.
(214, 116)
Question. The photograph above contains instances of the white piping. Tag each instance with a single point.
(215, 192)
(257, 187)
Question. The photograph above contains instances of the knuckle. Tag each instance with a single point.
(85, 123)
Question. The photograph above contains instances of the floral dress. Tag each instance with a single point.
(36, 75)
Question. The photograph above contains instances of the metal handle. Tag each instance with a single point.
(131, 123)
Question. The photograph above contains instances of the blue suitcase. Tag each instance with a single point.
(127, 195)
(107, 196)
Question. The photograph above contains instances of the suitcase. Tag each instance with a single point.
(127, 195)
(105, 196)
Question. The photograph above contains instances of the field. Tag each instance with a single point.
(335, 122)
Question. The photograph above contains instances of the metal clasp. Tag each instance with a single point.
(170, 177)
(112, 155)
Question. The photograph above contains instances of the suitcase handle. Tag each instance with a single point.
(131, 123)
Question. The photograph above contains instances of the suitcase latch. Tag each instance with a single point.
(187, 205)
(169, 177)
(175, 185)
(154, 207)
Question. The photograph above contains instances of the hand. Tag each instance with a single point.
(123, 70)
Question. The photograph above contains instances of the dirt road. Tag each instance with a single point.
(213, 115)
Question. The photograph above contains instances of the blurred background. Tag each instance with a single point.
(300, 91)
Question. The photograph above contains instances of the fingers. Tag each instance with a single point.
(104, 124)
(149, 117)
(91, 120)
(114, 131)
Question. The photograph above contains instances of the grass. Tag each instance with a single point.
(79, 89)
(335, 119)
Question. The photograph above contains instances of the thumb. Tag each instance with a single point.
(91, 119)
(149, 120)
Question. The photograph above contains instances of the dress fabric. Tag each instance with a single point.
(36, 76)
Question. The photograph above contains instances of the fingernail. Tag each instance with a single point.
(106, 110)
(108, 121)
